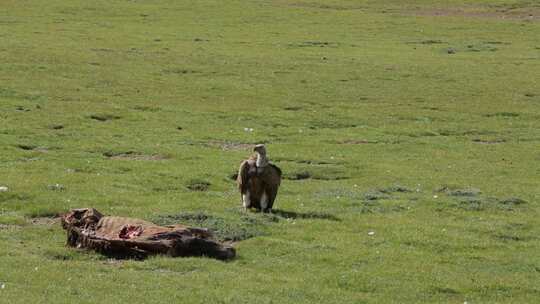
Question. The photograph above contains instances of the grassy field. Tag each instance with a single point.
(408, 132)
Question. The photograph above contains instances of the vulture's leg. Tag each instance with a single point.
(264, 202)
(246, 200)
(271, 199)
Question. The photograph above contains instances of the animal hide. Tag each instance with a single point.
(135, 238)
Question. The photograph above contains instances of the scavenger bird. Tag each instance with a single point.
(258, 181)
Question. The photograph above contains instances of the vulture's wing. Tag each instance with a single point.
(272, 181)
(277, 173)
(242, 179)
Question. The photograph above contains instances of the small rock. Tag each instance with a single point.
(451, 51)
(4, 189)
(465, 192)
(56, 187)
(512, 201)
(371, 233)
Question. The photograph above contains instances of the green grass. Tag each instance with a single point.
(409, 143)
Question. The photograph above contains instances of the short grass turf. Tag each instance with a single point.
(407, 131)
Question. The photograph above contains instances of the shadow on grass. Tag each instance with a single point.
(305, 215)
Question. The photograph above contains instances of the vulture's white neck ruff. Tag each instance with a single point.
(261, 160)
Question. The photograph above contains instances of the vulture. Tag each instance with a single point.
(258, 181)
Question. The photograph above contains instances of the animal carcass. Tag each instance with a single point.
(129, 237)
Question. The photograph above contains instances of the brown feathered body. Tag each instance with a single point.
(258, 185)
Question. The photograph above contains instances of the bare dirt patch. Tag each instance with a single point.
(230, 145)
(428, 41)
(104, 117)
(314, 44)
(532, 14)
(179, 71)
(147, 108)
(472, 199)
(334, 7)
(231, 229)
(44, 221)
(489, 141)
(466, 133)
(26, 147)
(316, 173)
(30, 147)
(198, 185)
(298, 175)
(369, 142)
(56, 127)
(503, 114)
(307, 161)
(9, 227)
(293, 108)
(305, 215)
(357, 142)
(236, 146)
(224, 145)
(132, 155)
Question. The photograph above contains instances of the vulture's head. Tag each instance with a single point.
(261, 149)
